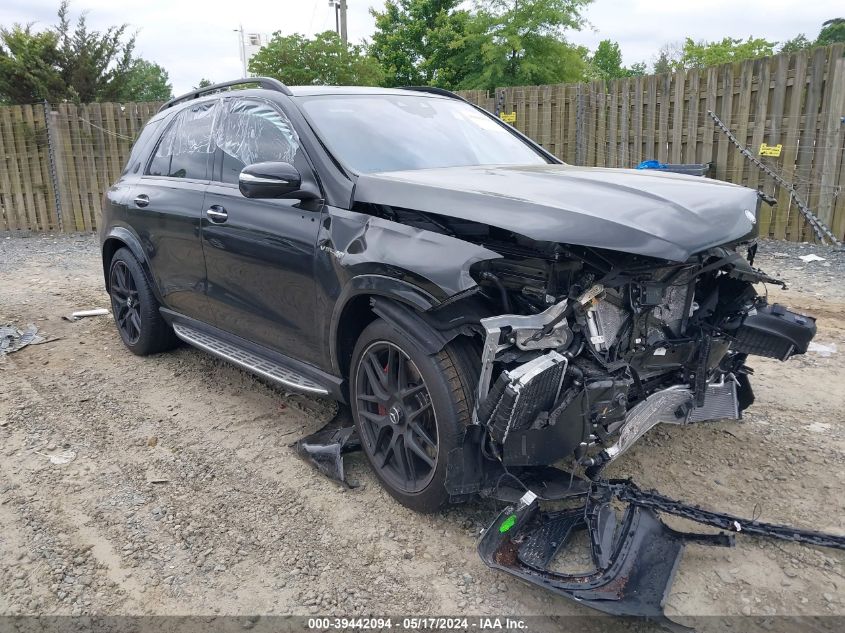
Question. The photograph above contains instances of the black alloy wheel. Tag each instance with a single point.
(136, 310)
(126, 303)
(397, 419)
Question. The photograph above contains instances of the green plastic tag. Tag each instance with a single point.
(507, 524)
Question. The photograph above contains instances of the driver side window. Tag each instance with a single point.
(253, 132)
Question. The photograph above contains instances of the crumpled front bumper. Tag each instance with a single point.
(634, 562)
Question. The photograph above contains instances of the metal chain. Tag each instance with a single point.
(629, 492)
(819, 228)
(51, 153)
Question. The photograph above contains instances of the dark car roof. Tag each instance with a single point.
(311, 91)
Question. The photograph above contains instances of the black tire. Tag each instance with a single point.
(448, 377)
(135, 307)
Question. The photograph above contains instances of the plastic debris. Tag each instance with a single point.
(12, 339)
(81, 314)
(812, 257)
(822, 349)
(59, 459)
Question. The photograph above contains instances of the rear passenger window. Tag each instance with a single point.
(185, 148)
(253, 132)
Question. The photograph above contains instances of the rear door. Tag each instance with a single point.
(166, 205)
(260, 253)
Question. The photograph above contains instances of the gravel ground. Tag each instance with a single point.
(183, 496)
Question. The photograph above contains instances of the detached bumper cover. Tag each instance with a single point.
(634, 565)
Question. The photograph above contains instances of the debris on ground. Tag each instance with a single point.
(812, 257)
(246, 527)
(12, 339)
(324, 449)
(81, 314)
(59, 459)
(822, 349)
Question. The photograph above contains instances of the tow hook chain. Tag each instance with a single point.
(628, 491)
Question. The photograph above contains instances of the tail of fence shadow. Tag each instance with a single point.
(57, 161)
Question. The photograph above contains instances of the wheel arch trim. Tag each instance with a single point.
(392, 290)
(131, 241)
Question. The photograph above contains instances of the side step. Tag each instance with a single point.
(247, 360)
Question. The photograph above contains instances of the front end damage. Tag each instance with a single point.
(581, 351)
(613, 348)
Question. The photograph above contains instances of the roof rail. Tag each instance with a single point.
(268, 83)
(435, 91)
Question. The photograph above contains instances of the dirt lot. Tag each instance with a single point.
(242, 526)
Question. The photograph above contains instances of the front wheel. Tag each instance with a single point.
(410, 409)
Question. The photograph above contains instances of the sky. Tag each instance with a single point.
(195, 39)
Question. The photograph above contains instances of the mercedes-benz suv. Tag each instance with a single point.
(482, 307)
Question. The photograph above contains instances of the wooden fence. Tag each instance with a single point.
(55, 165)
(796, 101)
(67, 159)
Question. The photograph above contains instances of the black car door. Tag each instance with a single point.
(166, 204)
(260, 253)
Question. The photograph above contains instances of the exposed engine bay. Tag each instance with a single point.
(592, 348)
(580, 351)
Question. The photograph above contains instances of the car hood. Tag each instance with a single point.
(663, 215)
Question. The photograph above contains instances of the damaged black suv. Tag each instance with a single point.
(483, 308)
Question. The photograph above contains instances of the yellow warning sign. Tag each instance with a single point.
(508, 117)
(770, 150)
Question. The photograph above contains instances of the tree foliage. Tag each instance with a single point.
(71, 62)
(29, 63)
(423, 42)
(607, 62)
(703, 54)
(147, 81)
(321, 60)
(493, 43)
(833, 32)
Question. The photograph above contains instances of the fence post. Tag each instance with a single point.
(57, 162)
(580, 144)
(830, 137)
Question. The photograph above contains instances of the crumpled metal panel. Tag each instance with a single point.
(668, 216)
(365, 244)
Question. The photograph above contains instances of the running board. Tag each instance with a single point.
(247, 360)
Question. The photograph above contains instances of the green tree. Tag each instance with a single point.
(833, 31)
(522, 42)
(703, 54)
(204, 83)
(29, 65)
(146, 81)
(797, 43)
(423, 42)
(323, 60)
(607, 62)
(638, 69)
(94, 65)
(73, 63)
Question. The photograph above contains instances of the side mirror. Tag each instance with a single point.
(272, 180)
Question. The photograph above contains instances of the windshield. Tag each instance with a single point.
(372, 133)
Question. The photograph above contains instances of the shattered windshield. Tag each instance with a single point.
(372, 133)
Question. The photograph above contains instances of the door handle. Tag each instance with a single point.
(217, 214)
(142, 200)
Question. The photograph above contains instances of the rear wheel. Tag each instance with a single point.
(135, 308)
(410, 409)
